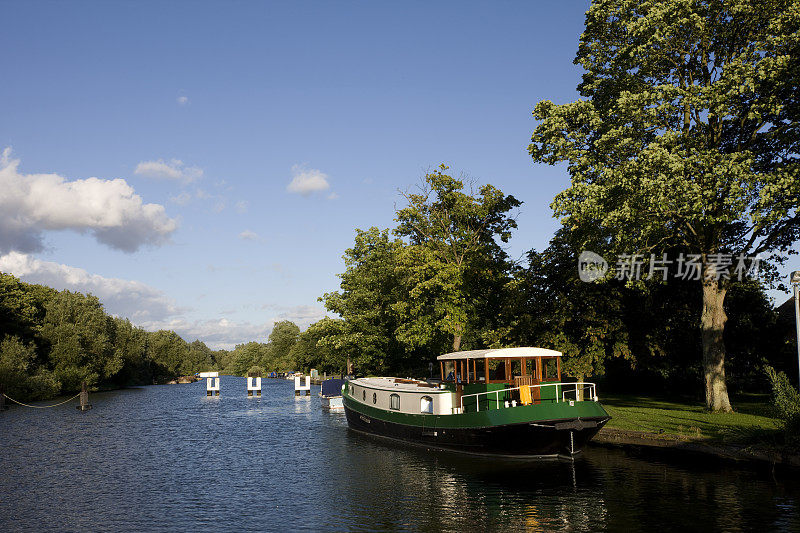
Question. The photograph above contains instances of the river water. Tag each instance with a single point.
(166, 458)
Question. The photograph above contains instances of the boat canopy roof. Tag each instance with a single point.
(500, 353)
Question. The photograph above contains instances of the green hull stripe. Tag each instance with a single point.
(492, 417)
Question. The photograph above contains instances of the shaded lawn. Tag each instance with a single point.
(751, 422)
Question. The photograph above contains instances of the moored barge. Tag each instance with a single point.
(506, 402)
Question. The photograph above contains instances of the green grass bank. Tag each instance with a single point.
(751, 433)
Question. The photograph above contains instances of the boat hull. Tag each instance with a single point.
(552, 437)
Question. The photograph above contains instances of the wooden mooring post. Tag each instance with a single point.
(3, 405)
(84, 398)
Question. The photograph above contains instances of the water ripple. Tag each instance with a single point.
(163, 458)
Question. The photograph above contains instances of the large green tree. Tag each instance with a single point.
(687, 135)
(129, 346)
(283, 337)
(21, 375)
(554, 309)
(370, 287)
(168, 351)
(200, 358)
(22, 307)
(250, 354)
(79, 334)
(312, 350)
(454, 266)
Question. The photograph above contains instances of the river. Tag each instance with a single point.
(166, 458)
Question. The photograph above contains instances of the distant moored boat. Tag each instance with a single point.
(331, 394)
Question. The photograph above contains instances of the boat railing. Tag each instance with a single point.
(564, 392)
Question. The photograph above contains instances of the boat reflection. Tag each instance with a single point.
(604, 490)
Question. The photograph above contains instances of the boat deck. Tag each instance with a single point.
(408, 385)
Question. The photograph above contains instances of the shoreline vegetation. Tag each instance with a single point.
(53, 341)
(753, 433)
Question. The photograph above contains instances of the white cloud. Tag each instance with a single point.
(248, 235)
(129, 299)
(182, 199)
(174, 169)
(302, 315)
(241, 207)
(31, 204)
(183, 100)
(217, 333)
(306, 181)
(226, 334)
(333, 196)
(150, 308)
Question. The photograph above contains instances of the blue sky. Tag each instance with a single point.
(209, 111)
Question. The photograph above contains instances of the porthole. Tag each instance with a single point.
(374, 398)
(364, 395)
(394, 402)
(426, 405)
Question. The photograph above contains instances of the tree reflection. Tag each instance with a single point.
(391, 486)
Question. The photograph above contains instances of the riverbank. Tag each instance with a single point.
(684, 428)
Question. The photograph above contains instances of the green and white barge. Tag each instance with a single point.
(506, 402)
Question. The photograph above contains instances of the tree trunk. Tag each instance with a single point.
(712, 323)
(456, 342)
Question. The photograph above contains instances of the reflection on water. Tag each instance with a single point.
(168, 457)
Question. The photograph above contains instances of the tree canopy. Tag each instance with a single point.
(453, 263)
(370, 287)
(434, 286)
(686, 135)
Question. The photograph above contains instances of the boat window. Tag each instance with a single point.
(374, 398)
(426, 405)
(395, 401)
(364, 395)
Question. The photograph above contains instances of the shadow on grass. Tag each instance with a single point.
(752, 423)
(648, 402)
(748, 403)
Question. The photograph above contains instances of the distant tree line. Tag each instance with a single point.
(288, 349)
(51, 341)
